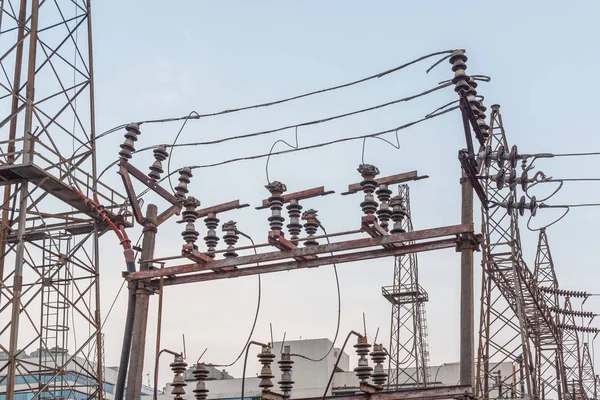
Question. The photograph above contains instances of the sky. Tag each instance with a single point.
(158, 60)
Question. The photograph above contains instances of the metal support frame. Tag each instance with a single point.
(588, 376)
(467, 304)
(445, 237)
(142, 303)
(408, 349)
(47, 147)
(516, 325)
(433, 393)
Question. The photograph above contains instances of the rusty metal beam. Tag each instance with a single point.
(451, 230)
(444, 392)
(133, 201)
(276, 239)
(145, 179)
(230, 205)
(388, 180)
(168, 213)
(370, 225)
(301, 195)
(310, 263)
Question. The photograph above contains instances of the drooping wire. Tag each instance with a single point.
(396, 146)
(567, 208)
(285, 100)
(337, 362)
(547, 225)
(318, 145)
(329, 89)
(324, 143)
(271, 151)
(173, 147)
(265, 132)
(255, 314)
(308, 123)
(339, 310)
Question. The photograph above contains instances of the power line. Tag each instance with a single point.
(329, 89)
(302, 124)
(258, 156)
(173, 147)
(272, 103)
(370, 135)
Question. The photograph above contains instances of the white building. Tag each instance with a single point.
(75, 382)
(310, 378)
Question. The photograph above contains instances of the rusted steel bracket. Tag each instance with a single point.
(388, 180)
(268, 395)
(467, 158)
(469, 118)
(368, 388)
(126, 169)
(469, 241)
(429, 393)
(276, 239)
(304, 194)
(471, 171)
(219, 208)
(370, 225)
(194, 255)
(168, 213)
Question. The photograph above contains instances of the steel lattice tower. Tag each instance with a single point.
(545, 279)
(49, 263)
(516, 325)
(588, 376)
(571, 354)
(409, 353)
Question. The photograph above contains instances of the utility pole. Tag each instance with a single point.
(467, 321)
(136, 361)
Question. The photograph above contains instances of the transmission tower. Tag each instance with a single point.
(588, 376)
(546, 281)
(49, 263)
(571, 353)
(409, 352)
(516, 325)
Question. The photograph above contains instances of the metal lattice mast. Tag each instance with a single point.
(571, 353)
(588, 376)
(409, 353)
(49, 263)
(516, 325)
(544, 273)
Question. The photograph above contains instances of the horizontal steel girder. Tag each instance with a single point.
(212, 270)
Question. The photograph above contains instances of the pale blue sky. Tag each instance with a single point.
(161, 59)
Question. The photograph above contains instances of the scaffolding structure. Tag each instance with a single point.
(409, 352)
(49, 287)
